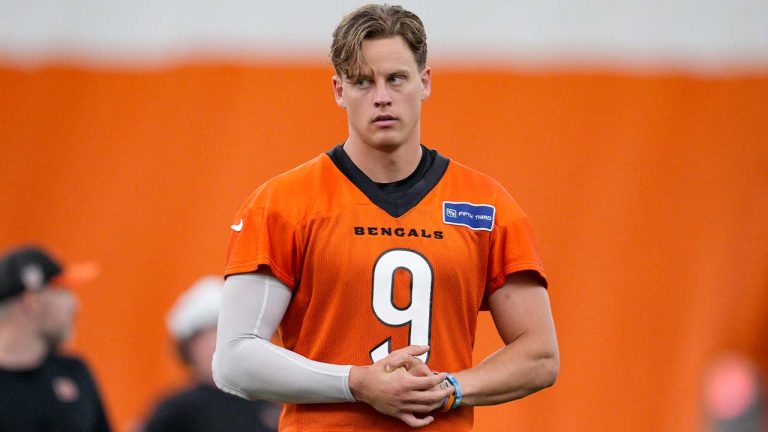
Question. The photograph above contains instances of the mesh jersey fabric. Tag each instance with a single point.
(366, 283)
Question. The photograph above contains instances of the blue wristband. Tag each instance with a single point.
(457, 390)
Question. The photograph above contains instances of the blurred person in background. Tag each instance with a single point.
(734, 395)
(40, 388)
(203, 407)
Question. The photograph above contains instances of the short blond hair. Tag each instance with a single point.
(374, 21)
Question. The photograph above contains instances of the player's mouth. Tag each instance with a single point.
(385, 120)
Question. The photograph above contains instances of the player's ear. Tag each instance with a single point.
(338, 91)
(426, 83)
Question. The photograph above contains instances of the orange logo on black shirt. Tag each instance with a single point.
(65, 389)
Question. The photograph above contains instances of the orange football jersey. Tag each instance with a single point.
(373, 272)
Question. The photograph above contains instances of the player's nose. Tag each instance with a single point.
(381, 96)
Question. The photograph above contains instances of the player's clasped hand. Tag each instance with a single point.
(401, 386)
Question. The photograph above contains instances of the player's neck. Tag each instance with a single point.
(384, 164)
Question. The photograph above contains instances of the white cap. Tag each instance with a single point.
(196, 309)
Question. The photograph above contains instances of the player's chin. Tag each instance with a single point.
(386, 140)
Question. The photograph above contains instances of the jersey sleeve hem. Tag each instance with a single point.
(499, 281)
(253, 265)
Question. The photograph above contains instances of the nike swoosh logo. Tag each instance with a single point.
(238, 227)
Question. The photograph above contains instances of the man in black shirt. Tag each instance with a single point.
(40, 389)
(201, 406)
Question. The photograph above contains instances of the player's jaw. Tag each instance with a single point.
(386, 128)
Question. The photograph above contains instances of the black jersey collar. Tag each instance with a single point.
(395, 204)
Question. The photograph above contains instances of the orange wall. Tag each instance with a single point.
(648, 195)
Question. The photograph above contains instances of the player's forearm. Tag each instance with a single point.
(521, 368)
(248, 365)
(253, 368)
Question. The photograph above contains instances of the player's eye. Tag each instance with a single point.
(363, 83)
(397, 79)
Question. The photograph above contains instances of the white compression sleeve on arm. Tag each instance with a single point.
(248, 365)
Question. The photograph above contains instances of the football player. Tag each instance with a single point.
(374, 260)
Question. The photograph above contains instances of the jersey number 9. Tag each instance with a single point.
(418, 314)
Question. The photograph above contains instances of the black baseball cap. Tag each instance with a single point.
(31, 268)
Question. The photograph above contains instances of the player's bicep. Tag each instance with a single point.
(521, 307)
